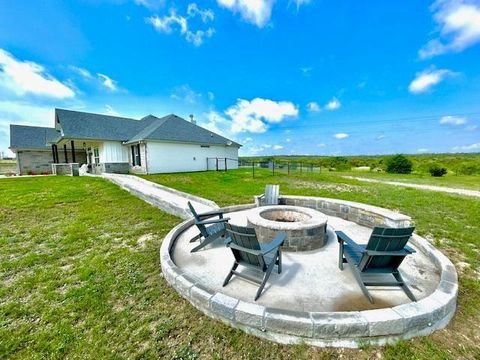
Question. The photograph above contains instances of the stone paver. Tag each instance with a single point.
(169, 200)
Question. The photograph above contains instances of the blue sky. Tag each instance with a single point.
(281, 77)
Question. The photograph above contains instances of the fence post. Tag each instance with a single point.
(216, 164)
(273, 167)
(253, 169)
(225, 164)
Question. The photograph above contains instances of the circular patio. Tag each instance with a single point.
(312, 300)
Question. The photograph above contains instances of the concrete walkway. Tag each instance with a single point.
(169, 200)
(444, 189)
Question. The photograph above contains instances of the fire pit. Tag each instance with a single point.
(305, 228)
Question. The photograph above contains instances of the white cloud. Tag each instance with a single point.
(23, 77)
(217, 123)
(302, 2)
(108, 82)
(422, 150)
(111, 111)
(468, 148)
(257, 12)
(186, 94)
(211, 96)
(453, 120)
(333, 104)
(151, 4)
(306, 70)
(81, 71)
(254, 116)
(205, 14)
(321, 145)
(277, 147)
(425, 80)
(341, 136)
(313, 106)
(288, 140)
(458, 27)
(169, 23)
(247, 140)
(380, 137)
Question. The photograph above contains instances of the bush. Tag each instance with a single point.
(437, 170)
(468, 169)
(399, 164)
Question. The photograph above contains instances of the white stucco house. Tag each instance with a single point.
(121, 145)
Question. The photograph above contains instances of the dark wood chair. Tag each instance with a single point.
(377, 262)
(210, 229)
(271, 195)
(248, 252)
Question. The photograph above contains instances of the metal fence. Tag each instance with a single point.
(280, 166)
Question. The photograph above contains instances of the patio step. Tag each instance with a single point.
(167, 199)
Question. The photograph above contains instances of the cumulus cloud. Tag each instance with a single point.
(425, 80)
(26, 77)
(458, 27)
(108, 82)
(341, 136)
(255, 115)
(172, 22)
(313, 106)
(468, 148)
(111, 111)
(333, 104)
(453, 120)
(257, 12)
(150, 4)
(186, 94)
(277, 147)
(422, 150)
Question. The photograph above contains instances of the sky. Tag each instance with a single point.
(281, 77)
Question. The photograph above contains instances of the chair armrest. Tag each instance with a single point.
(211, 214)
(215, 221)
(342, 237)
(230, 244)
(275, 243)
(402, 252)
(261, 196)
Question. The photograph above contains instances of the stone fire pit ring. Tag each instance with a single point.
(305, 227)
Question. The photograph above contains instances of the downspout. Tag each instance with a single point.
(146, 158)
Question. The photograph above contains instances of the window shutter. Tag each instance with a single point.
(139, 157)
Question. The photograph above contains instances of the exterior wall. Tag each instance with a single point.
(163, 157)
(40, 161)
(113, 152)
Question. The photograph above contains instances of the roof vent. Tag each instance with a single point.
(192, 120)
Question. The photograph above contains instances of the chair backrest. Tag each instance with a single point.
(245, 237)
(386, 239)
(272, 192)
(201, 227)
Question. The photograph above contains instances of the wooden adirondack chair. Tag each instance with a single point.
(271, 195)
(376, 264)
(210, 230)
(250, 253)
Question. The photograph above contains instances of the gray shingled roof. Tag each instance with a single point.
(174, 128)
(32, 137)
(80, 125)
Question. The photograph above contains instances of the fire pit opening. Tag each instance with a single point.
(305, 227)
(287, 216)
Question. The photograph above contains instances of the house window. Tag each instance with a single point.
(96, 155)
(136, 155)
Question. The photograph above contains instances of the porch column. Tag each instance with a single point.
(53, 154)
(65, 152)
(73, 150)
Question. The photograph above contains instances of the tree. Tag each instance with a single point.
(437, 170)
(399, 164)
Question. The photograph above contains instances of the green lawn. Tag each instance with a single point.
(450, 180)
(80, 274)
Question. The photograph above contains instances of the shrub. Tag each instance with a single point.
(437, 170)
(399, 164)
(469, 169)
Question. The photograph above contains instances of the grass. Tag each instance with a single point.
(80, 274)
(450, 180)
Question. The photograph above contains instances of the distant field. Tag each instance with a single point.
(7, 166)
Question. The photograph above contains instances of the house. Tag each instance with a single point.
(115, 144)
